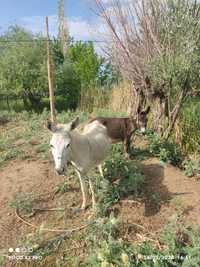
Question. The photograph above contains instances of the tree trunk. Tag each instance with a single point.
(137, 100)
(158, 112)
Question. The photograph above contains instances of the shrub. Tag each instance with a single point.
(166, 151)
(179, 246)
(107, 248)
(127, 177)
(191, 167)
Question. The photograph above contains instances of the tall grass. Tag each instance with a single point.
(118, 98)
(188, 130)
(94, 98)
(121, 97)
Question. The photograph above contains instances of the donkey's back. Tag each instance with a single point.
(117, 128)
(98, 141)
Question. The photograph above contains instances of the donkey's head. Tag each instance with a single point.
(61, 143)
(142, 119)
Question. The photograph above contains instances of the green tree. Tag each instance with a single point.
(86, 62)
(67, 85)
(80, 70)
(23, 71)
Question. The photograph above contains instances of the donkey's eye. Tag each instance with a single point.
(67, 145)
(51, 146)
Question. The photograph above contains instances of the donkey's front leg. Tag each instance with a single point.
(93, 194)
(83, 190)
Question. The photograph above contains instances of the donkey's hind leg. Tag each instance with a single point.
(83, 190)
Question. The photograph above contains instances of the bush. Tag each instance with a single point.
(166, 151)
(191, 167)
(107, 248)
(122, 179)
(179, 246)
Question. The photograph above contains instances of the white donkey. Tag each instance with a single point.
(83, 150)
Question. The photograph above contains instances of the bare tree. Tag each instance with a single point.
(153, 43)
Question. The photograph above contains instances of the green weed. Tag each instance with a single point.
(191, 167)
(24, 203)
(122, 179)
(190, 126)
(166, 151)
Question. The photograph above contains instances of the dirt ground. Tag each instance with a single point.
(167, 191)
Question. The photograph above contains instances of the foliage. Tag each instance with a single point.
(80, 69)
(29, 78)
(179, 35)
(107, 248)
(189, 126)
(67, 85)
(191, 167)
(166, 151)
(86, 62)
(129, 175)
(62, 188)
(180, 247)
(121, 179)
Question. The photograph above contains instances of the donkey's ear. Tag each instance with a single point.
(147, 110)
(51, 126)
(75, 123)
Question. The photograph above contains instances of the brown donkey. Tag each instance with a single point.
(121, 129)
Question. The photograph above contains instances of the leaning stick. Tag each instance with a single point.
(50, 76)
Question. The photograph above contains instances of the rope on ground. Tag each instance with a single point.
(52, 230)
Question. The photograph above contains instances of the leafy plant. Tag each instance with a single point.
(107, 248)
(122, 178)
(179, 247)
(62, 188)
(191, 167)
(189, 126)
(166, 151)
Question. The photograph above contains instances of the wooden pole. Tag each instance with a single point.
(50, 76)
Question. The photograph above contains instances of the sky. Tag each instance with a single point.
(83, 23)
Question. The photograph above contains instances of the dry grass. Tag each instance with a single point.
(117, 99)
(121, 97)
(94, 98)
